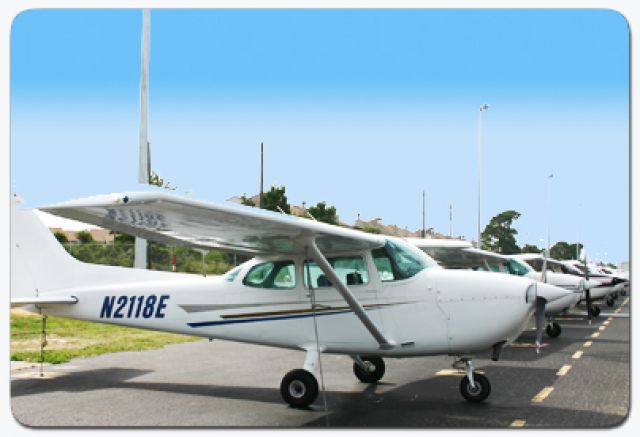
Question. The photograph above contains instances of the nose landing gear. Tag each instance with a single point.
(474, 387)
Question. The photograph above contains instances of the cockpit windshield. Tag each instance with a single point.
(516, 267)
(398, 260)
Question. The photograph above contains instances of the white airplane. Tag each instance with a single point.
(612, 283)
(312, 287)
(458, 254)
(599, 288)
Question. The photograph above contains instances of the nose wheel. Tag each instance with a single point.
(554, 330)
(610, 301)
(474, 387)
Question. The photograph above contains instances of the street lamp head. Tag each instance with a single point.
(484, 107)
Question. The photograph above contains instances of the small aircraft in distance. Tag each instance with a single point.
(311, 286)
(460, 254)
(617, 279)
(599, 287)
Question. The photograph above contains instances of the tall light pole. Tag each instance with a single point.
(424, 214)
(144, 168)
(483, 108)
(549, 212)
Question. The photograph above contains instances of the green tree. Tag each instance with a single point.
(499, 236)
(84, 237)
(247, 201)
(275, 198)
(371, 229)
(323, 214)
(123, 238)
(531, 248)
(563, 250)
(61, 237)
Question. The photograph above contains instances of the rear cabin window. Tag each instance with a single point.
(272, 275)
(536, 264)
(352, 270)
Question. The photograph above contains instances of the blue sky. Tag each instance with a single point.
(360, 108)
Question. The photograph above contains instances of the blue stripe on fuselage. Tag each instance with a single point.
(263, 319)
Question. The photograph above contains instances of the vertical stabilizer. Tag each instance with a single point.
(38, 261)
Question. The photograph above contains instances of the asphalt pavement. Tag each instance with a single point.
(579, 380)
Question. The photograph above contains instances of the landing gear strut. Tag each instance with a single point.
(474, 387)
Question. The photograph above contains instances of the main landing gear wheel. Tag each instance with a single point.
(373, 373)
(595, 311)
(554, 330)
(480, 392)
(610, 301)
(623, 293)
(299, 388)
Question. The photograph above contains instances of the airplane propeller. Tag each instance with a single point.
(541, 304)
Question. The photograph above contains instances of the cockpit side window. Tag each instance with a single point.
(273, 275)
(231, 276)
(352, 270)
(536, 264)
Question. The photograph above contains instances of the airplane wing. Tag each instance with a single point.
(176, 220)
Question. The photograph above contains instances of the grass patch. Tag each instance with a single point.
(68, 339)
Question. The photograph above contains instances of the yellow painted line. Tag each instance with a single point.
(563, 370)
(542, 395)
(606, 322)
(450, 372)
(518, 423)
(602, 328)
(610, 319)
(455, 372)
(595, 335)
(577, 355)
(587, 344)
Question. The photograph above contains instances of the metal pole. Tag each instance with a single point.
(450, 220)
(482, 109)
(261, 174)
(549, 213)
(424, 214)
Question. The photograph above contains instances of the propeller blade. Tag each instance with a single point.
(541, 304)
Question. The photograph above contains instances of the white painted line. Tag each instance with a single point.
(587, 344)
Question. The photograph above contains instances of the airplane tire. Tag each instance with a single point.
(595, 311)
(623, 293)
(554, 330)
(610, 301)
(480, 392)
(366, 375)
(299, 388)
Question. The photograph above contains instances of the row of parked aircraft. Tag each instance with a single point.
(310, 286)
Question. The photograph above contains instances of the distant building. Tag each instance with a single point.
(99, 235)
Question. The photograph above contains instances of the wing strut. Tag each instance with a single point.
(353, 303)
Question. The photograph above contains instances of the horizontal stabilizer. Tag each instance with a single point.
(21, 301)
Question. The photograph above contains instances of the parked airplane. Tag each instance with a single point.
(458, 254)
(619, 280)
(312, 287)
(600, 287)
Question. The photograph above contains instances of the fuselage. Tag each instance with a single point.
(432, 312)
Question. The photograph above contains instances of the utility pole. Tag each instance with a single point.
(144, 168)
(424, 214)
(450, 220)
(483, 108)
(261, 175)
